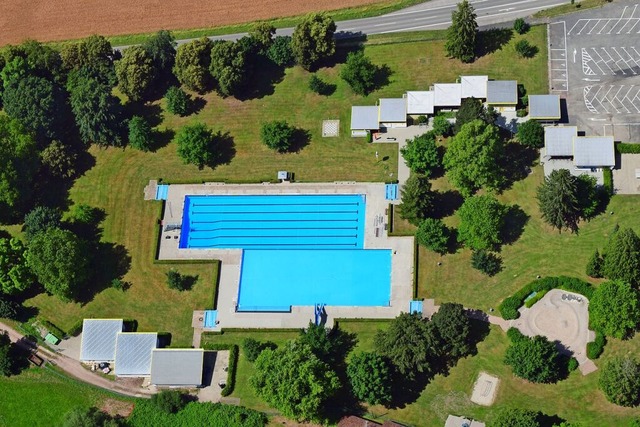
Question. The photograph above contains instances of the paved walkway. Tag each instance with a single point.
(75, 369)
(216, 371)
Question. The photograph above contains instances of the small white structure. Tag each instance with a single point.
(455, 421)
(393, 113)
(419, 102)
(447, 94)
(474, 86)
(133, 353)
(544, 107)
(593, 152)
(98, 343)
(364, 119)
(502, 94)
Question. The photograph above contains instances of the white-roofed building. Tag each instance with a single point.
(177, 367)
(544, 107)
(593, 152)
(393, 113)
(133, 353)
(419, 102)
(364, 119)
(474, 86)
(98, 343)
(447, 94)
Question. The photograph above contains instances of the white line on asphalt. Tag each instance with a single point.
(618, 21)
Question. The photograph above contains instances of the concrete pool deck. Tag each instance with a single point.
(375, 237)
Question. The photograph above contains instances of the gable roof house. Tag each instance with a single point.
(593, 152)
(447, 94)
(502, 94)
(393, 113)
(98, 343)
(363, 120)
(133, 353)
(474, 86)
(419, 102)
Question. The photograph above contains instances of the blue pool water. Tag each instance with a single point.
(276, 280)
(273, 222)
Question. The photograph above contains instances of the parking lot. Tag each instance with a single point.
(594, 62)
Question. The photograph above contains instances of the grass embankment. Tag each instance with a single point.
(42, 397)
(570, 8)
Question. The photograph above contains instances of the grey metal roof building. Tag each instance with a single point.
(133, 353)
(420, 102)
(593, 152)
(177, 367)
(544, 107)
(502, 92)
(558, 140)
(364, 117)
(99, 339)
(393, 110)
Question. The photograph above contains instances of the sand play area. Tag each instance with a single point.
(560, 316)
(485, 389)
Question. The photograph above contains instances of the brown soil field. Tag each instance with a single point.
(52, 20)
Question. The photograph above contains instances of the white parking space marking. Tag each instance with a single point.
(607, 99)
(617, 61)
(558, 58)
(599, 26)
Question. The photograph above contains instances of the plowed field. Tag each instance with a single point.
(50, 20)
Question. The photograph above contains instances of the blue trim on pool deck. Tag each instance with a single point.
(277, 280)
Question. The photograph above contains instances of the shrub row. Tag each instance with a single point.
(53, 329)
(625, 148)
(75, 329)
(231, 374)
(607, 177)
(595, 348)
(529, 303)
(509, 307)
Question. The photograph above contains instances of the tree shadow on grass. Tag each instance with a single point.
(446, 203)
(517, 163)
(264, 79)
(162, 138)
(111, 261)
(382, 76)
(343, 402)
(301, 138)
(152, 113)
(491, 40)
(225, 149)
(196, 105)
(514, 221)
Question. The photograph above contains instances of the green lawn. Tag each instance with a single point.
(42, 397)
(116, 181)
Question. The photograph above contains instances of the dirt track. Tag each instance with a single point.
(48, 20)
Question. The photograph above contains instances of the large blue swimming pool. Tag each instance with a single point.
(273, 222)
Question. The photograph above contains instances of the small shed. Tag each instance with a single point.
(544, 107)
(419, 102)
(474, 86)
(447, 94)
(363, 120)
(502, 94)
(393, 112)
(98, 343)
(455, 421)
(177, 367)
(133, 353)
(558, 141)
(593, 152)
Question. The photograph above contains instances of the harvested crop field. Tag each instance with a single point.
(47, 20)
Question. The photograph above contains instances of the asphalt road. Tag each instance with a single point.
(431, 15)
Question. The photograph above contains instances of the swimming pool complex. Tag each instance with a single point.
(273, 222)
(298, 250)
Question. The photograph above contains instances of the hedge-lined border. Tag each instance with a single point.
(607, 178)
(626, 148)
(509, 307)
(233, 364)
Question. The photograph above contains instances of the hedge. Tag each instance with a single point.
(509, 307)
(607, 177)
(53, 329)
(233, 364)
(75, 329)
(626, 148)
(538, 296)
(595, 348)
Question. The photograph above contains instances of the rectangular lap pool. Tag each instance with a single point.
(277, 280)
(273, 222)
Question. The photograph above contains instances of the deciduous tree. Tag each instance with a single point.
(312, 40)
(6, 359)
(614, 309)
(15, 275)
(434, 235)
(294, 381)
(421, 154)
(59, 159)
(177, 101)
(461, 35)
(472, 109)
(360, 73)
(417, 199)
(40, 219)
(410, 344)
(534, 359)
(192, 64)
(472, 158)
(280, 51)
(161, 48)
(135, 72)
(262, 33)
(531, 134)
(94, 54)
(140, 134)
(622, 257)
(277, 135)
(481, 222)
(59, 260)
(515, 417)
(230, 66)
(454, 330)
(558, 200)
(197, 145)
(370, 378)
(620, 381)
